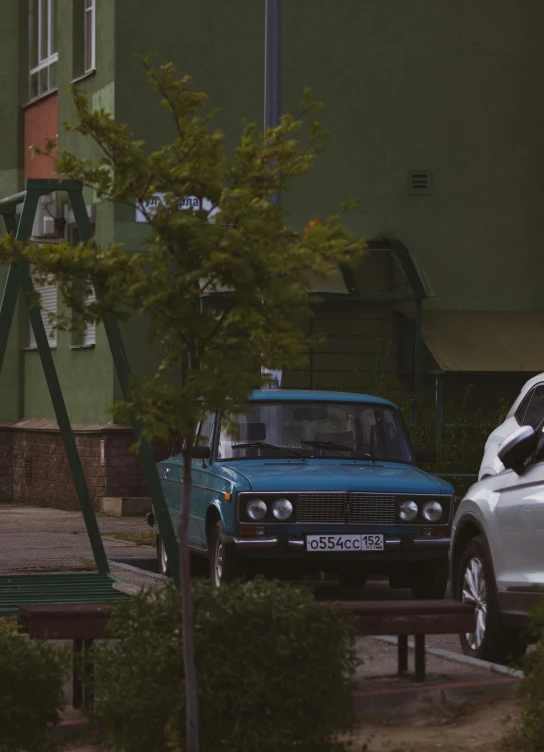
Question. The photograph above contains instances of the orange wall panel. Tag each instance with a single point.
(41, 123)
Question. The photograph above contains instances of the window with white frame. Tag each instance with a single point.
(89, 332)
(84, 37)
(43, 47)
(86, 336)
(48, 308)
(89, 36)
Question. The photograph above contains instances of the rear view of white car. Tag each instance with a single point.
(527, 410)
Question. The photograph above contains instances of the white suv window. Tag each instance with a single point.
(531, 410)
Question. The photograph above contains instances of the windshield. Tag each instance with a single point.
(349, 430)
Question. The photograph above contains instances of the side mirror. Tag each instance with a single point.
(518, 447)
(425, 455)
(201, 452)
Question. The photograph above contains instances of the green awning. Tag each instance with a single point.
(472, 341)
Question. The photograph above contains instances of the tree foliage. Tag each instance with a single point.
(224, 287)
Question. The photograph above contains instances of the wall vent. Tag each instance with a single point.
(420, 183)
(28, 470)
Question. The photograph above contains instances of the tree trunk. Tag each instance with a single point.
(191, 696)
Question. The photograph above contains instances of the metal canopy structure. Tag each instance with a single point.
(345, 287)
(17, 589)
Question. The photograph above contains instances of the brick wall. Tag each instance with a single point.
(6, 475)
(35, 470)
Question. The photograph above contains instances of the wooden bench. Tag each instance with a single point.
(85, 623)
(404, 618)
(80, 623)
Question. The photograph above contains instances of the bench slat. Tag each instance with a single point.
(421, 624)
(403, 608)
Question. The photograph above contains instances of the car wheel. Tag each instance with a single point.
(491, 640)
(353, 578)
(225, 566)
(430, 579)
(163, 558)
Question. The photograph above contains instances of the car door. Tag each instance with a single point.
(201, 491)
(170, 477)
(519, 545)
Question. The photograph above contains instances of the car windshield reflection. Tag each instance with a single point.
(350, 430)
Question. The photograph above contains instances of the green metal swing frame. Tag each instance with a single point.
(19, 589)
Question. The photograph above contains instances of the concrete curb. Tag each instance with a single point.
(449, 655)
(405, 701)
(138, 570)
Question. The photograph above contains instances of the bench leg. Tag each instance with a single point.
(402, 654)
(77, 686)
(420, 657)
(89, 675)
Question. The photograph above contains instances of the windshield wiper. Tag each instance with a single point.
(334, 447)
(265, 445)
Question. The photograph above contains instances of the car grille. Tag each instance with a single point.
(367, 509)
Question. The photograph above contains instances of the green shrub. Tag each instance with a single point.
(31, 679)
(274, 669)
(532, 720)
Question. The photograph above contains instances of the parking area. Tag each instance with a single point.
(38, 539)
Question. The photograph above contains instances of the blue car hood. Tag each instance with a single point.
(329, 475)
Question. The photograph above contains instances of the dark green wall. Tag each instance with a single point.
(13, 94)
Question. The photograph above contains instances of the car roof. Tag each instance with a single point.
(303, 395)
(535, 380)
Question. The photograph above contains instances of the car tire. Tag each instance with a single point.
(199, 564)
(475, 583)
(164, 568)
(430, 579)
(225, 566)
(355, 577)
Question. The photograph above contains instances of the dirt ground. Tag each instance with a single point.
(478, 728)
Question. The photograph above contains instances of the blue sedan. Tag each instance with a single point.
(308, 482)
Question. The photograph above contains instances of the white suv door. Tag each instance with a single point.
(519, 543)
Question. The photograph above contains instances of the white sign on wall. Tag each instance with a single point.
(185, 204)
(275, 378)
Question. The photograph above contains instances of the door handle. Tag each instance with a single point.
(167, 472)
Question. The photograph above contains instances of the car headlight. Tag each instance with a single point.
(256, 509)
(282, 509)
(408, 510)
(432, 511)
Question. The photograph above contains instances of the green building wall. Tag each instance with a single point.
(12, 79)
(453, 87)
(86, 375)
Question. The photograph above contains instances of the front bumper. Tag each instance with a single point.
(405, 546)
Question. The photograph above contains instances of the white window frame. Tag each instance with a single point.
(46, 58)
(45, 311)
(89, 9)
(89, 333)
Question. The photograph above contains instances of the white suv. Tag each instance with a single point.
(527, 410)
(496, 552)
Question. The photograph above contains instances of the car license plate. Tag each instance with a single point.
(364, 542)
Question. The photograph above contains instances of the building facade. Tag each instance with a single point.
(435, 110)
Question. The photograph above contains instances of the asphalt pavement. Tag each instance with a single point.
(42, 539)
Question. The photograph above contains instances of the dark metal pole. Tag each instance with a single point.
(272, 69)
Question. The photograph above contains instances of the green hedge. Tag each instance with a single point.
(275, 672)
(31, 679)
(532, 721)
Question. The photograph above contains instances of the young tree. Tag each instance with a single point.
(234, 240)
